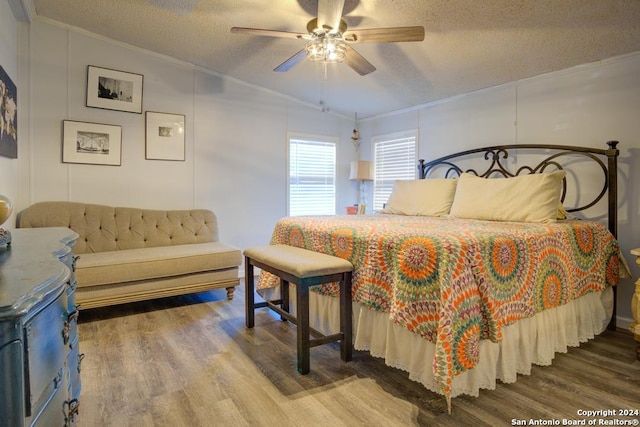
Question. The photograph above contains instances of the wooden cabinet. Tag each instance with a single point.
(39, 354)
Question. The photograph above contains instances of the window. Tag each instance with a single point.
(394, 158)
(312, 175)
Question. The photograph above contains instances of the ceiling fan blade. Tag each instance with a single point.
(356, 61)
(385, 35)
(269, 33)
(330, 14)
(292, 62)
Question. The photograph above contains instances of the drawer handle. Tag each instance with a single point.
(80, 359)
(73, 316)
(65, 332)
(57, 381)
(71, 410)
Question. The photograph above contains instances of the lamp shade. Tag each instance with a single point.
(361, 170)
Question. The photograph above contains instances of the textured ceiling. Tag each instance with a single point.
(469, 44)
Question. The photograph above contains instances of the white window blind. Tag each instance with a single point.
(394, 158)
(312, 171)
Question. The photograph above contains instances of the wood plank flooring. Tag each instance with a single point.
(190, 361)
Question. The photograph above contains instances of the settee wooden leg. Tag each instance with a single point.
(230, 292)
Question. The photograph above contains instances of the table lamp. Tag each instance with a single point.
(362, 171)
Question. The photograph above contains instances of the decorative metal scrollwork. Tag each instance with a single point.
(446, 166)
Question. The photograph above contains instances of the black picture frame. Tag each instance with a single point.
(91, 143)
(114, 90)
(165, 136)
(8, 116)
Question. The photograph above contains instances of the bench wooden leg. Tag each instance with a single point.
(284, 297)
(302, 318)
(249, 297)
(346, 318)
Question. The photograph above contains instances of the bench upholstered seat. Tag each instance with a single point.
(298, 262)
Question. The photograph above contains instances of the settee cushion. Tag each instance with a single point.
(130, 265)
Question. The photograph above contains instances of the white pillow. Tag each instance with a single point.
(427, 197)
(526, 198)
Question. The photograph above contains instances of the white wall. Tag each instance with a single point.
(9, 61)
(586, 105)
(236, 134)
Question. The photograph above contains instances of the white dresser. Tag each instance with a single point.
(39, 355)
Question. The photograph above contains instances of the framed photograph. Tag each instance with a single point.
(91, 143)
(164, 136)
(114, 90)
(8, 116)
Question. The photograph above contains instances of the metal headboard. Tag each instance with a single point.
(496, 157)
(551, 154)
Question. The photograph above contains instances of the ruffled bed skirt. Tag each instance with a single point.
(530, 341)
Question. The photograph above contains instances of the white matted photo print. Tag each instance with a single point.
(91, 143)
(164, 136)
(114, 90)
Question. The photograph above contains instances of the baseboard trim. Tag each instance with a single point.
(623, 322)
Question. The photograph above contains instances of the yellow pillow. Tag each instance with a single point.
(526, 198)
(427, 197)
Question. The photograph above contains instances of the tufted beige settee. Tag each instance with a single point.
(129, 254)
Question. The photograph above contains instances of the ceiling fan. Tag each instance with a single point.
(328, 39)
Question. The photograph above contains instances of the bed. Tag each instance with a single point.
(460, 288)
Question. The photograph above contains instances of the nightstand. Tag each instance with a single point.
(635, 306)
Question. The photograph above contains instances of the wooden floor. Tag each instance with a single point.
(190, 361)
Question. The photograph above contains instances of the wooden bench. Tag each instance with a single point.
(303, 268)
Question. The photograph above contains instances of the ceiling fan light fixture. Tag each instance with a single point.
(326, 50)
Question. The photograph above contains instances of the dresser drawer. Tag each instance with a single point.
(45, 355)
(52, 414)
(11, 393)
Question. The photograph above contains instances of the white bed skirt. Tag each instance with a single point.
(530, 341)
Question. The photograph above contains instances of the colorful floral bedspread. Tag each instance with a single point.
(455, 281)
